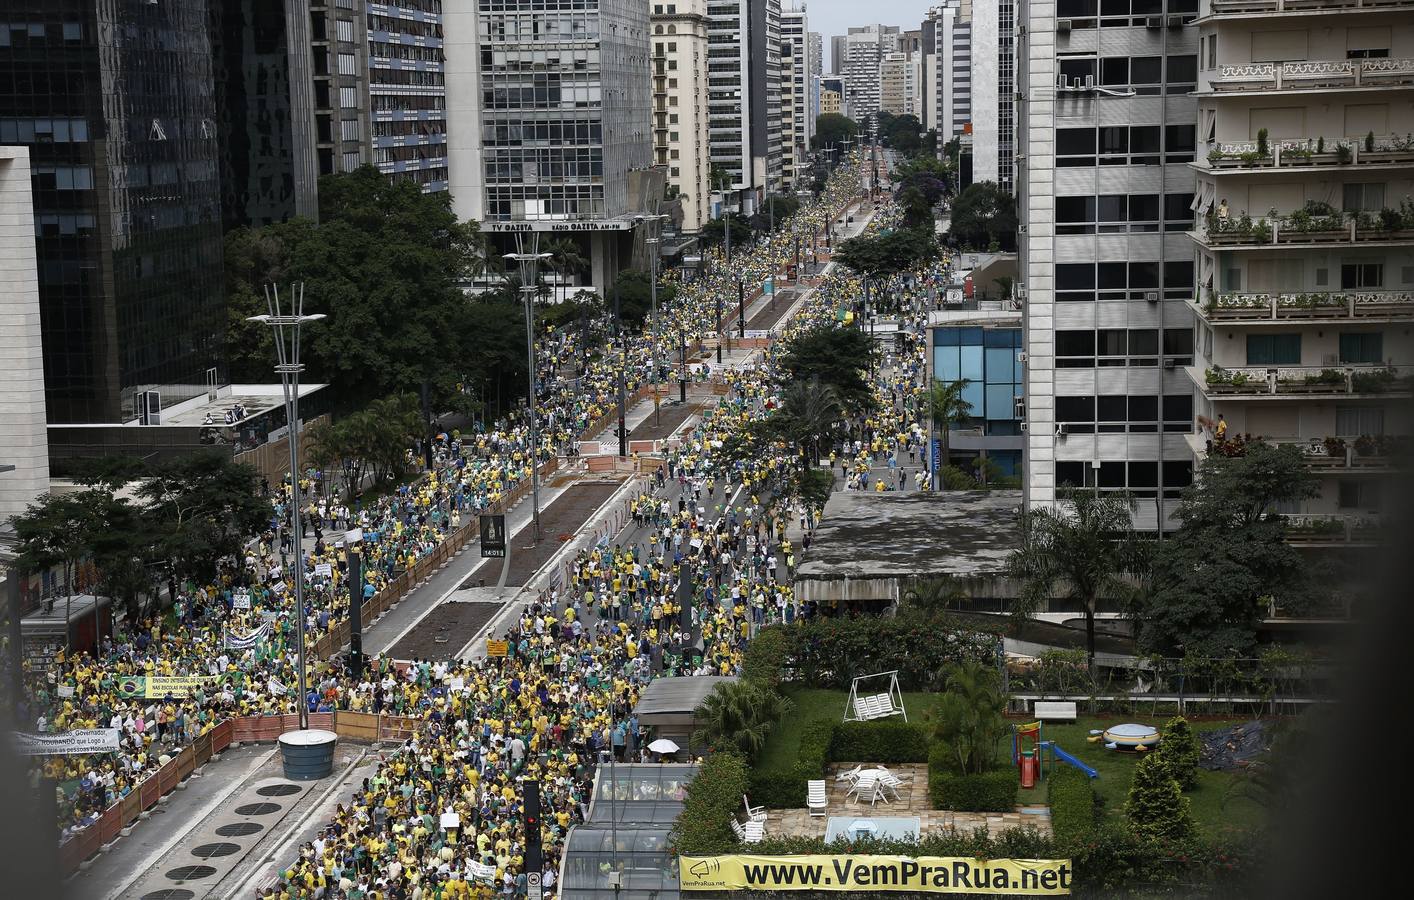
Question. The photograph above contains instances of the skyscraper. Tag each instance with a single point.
(744, 102)
(1105, 189)
(797, 122)
(680, 135)
(865, 48)
(116, 103)
(407, 91)
(551, 105)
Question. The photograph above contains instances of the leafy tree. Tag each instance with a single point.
(902, 133)
(1083, 551)
(370, 441)
(58, 530)
(198, 509)
(946, 407)
(566, 257)
(1181, 749)
(1156, 806)
(813, 487)
(1212, 577)
(385, 263)
(636, 295)
(738, 716)
(984, 213)
(835, 355)
(888, 254)
(779, 206)
(714, 231)
(809, 418)
(833, 129)
(970, 716)
(253, 257)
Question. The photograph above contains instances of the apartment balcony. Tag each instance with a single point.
(1322, 530)
(1316, 226)
(1292, 156)
(1285, 383)
(1315, 75)
(1230, 9)
(1381, 454)
(1318, 306)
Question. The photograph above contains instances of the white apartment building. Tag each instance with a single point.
(1304, 236)
(865, 48)
(950, 72)
(680, 135)
(894, 94)
(1106, 121)
(798, 122)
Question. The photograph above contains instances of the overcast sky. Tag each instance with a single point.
(831, 17)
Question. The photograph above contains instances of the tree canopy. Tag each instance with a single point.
(1211, 578)
(636, 295)
(984, 213)
(835, 355)
(384, 263)
(714, 231)
(888, 254)
(833, 129)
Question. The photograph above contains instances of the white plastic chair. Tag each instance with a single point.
(815, 797)
(753, 813)
(750, 833)
(851, 775)
(873, 792)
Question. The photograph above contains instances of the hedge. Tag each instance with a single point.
(827, 652)
(713, 799)
(993, 791)
(1072, 800)
(880, 742)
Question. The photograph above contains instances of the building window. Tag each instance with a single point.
(1361, 494)
(1353, 421)
(1364, 196)
(344, 30)
(1362, 347)
(1274, 349)
(1361, 276)
(348, 98)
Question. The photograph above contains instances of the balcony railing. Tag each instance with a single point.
(1312, 152)
(1307, 381)
(1318, 223)
(1310, 528)
(1366, 453)
(1258, 307)
(1315, 74)
(1237, 7)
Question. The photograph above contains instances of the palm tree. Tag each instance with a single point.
(970, 721)
(738, 716)
(946, 408)
(565, 257)
(1083, 551)
(811, 411)
(934, 595)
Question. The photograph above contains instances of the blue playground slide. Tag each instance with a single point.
(1067, 758)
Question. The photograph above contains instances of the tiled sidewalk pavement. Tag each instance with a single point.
(913, 801)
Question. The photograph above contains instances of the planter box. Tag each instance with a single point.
(1380, 234)
(1386, 156)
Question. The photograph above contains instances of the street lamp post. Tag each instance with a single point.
(655, 249)
(529, 264)
(287, 325)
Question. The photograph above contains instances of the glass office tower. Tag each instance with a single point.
(115, 101)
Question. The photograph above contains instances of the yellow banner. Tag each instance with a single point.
(924, 874)
(497, 648)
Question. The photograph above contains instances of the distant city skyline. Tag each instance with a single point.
(832, 17)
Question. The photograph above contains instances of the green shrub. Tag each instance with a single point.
(1181, 749)
(828, 652)
(765, 657)
(780, 788)
(879, 742)
(1156, 806)
(713, 798)
(993, 791)
(815, 740)
(1072, 801)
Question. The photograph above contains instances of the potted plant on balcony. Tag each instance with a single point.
(1365, 445)
(1260, 232)
(1343, 154)
(1373, 381)
(1335, 447)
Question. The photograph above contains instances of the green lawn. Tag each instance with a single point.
(1116, 769)
(813, 705)
(1213, 806)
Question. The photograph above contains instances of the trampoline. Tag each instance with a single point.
(1131, 736)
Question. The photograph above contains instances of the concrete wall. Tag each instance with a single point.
(23, 439)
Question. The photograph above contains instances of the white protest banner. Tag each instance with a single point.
(65, 690)
(458, 683)
(278, 587)
(82, 740)
(324, 570)
(482, 872)
(451, 820)
(241, 600)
